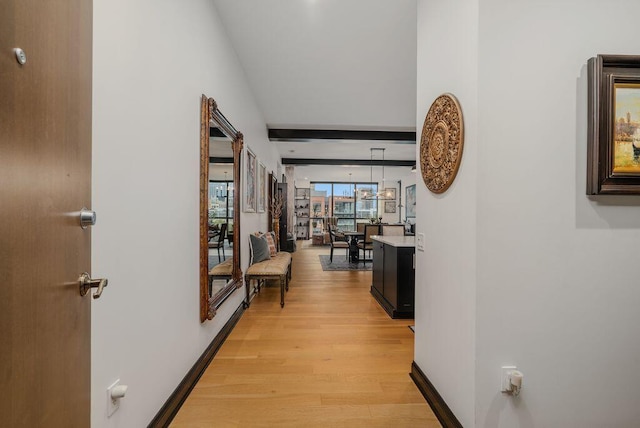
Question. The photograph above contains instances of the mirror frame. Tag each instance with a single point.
(209, 112)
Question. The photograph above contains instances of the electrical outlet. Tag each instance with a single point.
(113, 404)
(505, 384)
(420, 241)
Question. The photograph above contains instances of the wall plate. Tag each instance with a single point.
(112, 404)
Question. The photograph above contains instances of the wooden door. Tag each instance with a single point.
(45, 179)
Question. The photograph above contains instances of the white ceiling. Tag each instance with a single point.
(329, 64)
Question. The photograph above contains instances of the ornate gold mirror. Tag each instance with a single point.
(220, 147)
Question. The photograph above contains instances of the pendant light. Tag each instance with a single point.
(380, 195)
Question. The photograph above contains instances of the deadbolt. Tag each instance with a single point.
(20, 56)
(87, 218)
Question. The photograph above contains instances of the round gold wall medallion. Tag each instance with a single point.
(441, 143)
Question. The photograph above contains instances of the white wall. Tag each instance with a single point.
(558, 287)
(152, 61)
(554, 279)
(446, 270)
(400, 215)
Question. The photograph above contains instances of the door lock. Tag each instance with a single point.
(87, 283)
(87, 218)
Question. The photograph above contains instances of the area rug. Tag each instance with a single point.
(340, 263)
(213, 256)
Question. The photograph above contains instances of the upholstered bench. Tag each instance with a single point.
(277, 266)
(222, 270)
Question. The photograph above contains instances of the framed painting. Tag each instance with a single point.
(410, 201)
(613, 155)
(249, 200)
(262, 187)
(389, 206)
(390, 193)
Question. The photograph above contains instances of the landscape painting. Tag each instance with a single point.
(626, 129)
(410, 201)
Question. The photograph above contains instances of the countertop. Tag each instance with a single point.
(396, 241)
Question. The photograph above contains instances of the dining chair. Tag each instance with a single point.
(393, 230)
(367, 242)
(360, 227)
(336, 243)
(217, 240)
(230, 235)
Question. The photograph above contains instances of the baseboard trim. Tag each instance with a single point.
(435, 400)
(171, 407)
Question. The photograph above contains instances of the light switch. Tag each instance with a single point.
(420, 241)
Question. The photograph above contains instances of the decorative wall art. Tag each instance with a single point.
(613, 155)
(389, 206)
(390, 193)
(410, 201)
(262, 187)
(250, 203)
(441, 143)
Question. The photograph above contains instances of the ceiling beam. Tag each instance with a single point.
(218, 159)
(216, 132)
(356, 162)
(308, 135)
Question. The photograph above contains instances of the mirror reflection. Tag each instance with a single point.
(220, 147)
(220, 207)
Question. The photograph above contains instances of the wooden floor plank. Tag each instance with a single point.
(330, 357)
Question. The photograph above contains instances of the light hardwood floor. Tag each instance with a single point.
(330, 358)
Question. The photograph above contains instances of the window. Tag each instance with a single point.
(345, 201)
(221, 203)
(366, 208)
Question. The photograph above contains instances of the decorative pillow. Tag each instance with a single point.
(270, 237)
(259, 249)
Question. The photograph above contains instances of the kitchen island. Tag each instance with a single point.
(393, 284)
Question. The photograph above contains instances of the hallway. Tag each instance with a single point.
(331, 357)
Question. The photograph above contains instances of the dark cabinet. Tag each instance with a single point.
(378, 267)
(393, 282)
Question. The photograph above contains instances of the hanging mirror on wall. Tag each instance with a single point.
(220, 147)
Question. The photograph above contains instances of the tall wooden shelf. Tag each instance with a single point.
(302, 203)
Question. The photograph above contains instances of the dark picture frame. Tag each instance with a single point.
(390, 193)
(389, 207)
(613, 153)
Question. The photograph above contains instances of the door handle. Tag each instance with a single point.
(87, 283)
